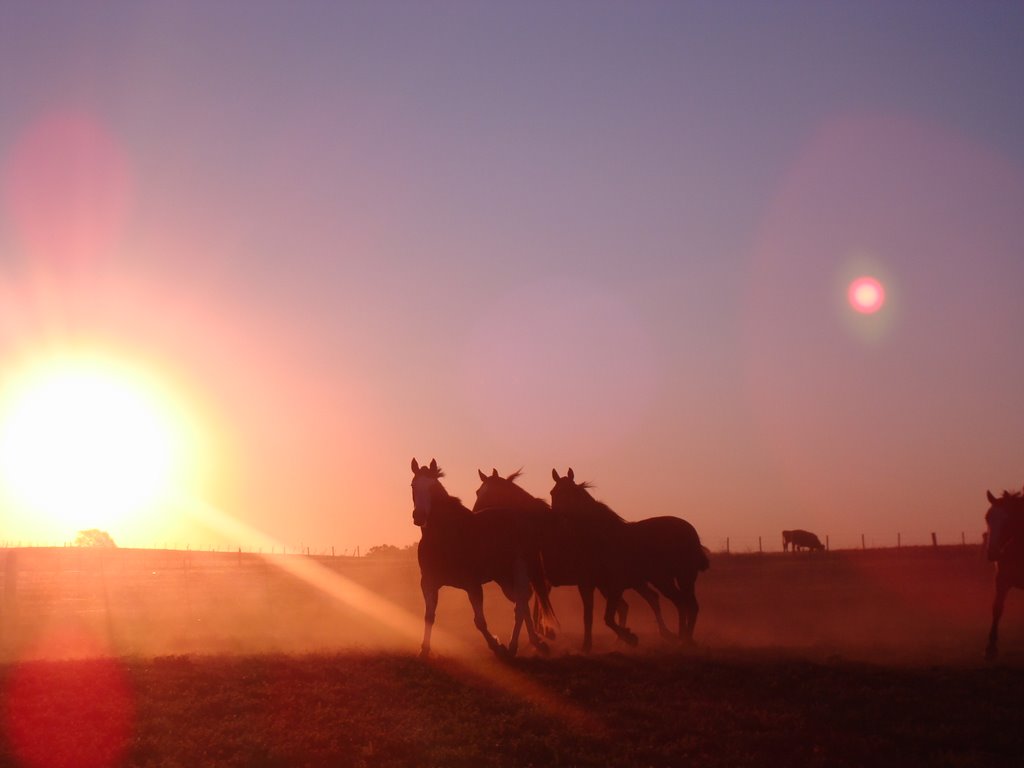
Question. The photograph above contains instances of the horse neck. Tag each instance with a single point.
(594, 511)
(1014, 535)
(447, 512)
(530, 503)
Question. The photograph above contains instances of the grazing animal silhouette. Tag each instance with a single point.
(1004, 546)
(465, 550)
(663, 551)
(800, 539)
(568, 558)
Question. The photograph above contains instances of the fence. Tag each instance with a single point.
(762, 544)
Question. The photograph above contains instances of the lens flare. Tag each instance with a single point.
(59, 714)
(866, 295)
(67, 189)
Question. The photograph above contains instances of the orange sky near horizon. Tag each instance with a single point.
(529, 238)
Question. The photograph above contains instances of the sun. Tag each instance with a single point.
(87, 442)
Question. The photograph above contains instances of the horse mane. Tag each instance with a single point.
(528, 498)
(606, 513)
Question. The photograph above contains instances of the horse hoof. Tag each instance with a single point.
(424, 653)
(542, 648)
(630, 639)
(549, 633)
(502, 652)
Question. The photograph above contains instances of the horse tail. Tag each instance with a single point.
(542, 590)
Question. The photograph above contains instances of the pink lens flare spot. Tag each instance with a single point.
(866, 295)
(67, 189)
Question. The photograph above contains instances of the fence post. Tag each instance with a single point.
(759, 549)
(727, 545)
(828, 547)
(332, 550)
(935, 541)
(862, 544)
(963, 538)
(898, 540)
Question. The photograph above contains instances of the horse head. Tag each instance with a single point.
(426, 485)
(498, 491)
(566, 492)
(1000, 517)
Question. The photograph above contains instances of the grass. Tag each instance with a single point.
(188, 659)
(703, 708)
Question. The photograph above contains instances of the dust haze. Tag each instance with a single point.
(928, 604)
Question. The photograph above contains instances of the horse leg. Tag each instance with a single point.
(587, 595)
(689, 602)
(519, 591)
(513, 641)
(430, 601)
(622, 612)
(523, 590)
(991, 650)
(476, 599)
(651, 597)
(523, 617)
(612, 599)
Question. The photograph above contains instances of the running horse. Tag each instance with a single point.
(465, 550)
(664, 551)
(1005, 548)
(570, 559)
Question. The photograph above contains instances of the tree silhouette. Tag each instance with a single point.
(390, 550)
(94, 537)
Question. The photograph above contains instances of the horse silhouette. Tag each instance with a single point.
(465, 550)
(800, 539)
(569, 557)
(663, 551)
(1004, 546)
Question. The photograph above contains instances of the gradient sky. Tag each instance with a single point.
(612, 236)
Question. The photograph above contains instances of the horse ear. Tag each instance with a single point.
(494, 472)
(570, 475)
(554, 475)
(991, 498)
(433, 465)
(415, 465)
(483, 477)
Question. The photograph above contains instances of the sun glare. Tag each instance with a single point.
(87, 443)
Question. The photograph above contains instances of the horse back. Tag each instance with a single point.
(667, 542)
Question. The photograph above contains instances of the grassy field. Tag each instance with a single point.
(169, 658)
(707, 708)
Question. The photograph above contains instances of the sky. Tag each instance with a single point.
(616, 237)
